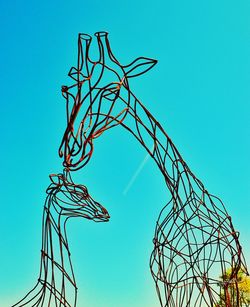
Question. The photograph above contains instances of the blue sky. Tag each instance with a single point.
(199, 92)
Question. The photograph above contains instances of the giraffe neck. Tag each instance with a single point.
(56, 271)
(148, 131)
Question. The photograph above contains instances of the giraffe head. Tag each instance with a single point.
(73, 200)
(98, 99)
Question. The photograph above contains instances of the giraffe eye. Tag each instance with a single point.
(85, 194)
(111, 93)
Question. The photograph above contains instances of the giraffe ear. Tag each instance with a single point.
(139, 67)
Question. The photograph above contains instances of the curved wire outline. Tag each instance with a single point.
(194, 234)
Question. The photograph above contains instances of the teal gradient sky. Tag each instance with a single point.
(199, 92)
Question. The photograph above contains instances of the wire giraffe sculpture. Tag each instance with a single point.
(194, 238)
(56, 285)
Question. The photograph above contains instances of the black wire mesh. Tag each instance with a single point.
(56, 285)
(194, 241)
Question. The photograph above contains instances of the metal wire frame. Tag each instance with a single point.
(56, 285)
(194, 241)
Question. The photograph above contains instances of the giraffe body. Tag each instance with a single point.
(56, 285)
(194, 240)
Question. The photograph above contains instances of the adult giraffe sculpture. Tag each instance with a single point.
(56, 285)
(194, 240)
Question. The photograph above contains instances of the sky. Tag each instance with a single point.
(198, 91)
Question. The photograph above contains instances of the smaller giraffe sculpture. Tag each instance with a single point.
(195, 240)
(56, 285)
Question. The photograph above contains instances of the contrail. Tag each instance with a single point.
(137, 172)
